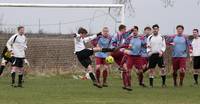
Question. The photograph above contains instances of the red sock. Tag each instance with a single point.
(182, 75)
(140, 78)
(129, 78)
(98, 73)
(105, 75)
(124, 77)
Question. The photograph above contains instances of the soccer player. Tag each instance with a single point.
(83, 54)
(6, 58)
(133, 59)
(180, 46)
(17, 50)
(156, 47)
(121, 39)
(147, 33)
(104, 41)
(195, 55)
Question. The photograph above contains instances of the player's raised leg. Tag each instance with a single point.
(120, 39)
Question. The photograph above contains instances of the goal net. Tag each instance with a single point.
(48, 28)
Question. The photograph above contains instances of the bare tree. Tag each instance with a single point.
(168, 3)
(129, 8)
(198, 2)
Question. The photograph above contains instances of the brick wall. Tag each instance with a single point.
(47, 52)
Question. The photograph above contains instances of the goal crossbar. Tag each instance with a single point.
(121, 6)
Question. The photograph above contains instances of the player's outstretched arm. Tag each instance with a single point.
(89, 38)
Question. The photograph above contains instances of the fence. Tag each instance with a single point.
(55, 52)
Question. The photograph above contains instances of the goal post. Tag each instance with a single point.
(121, 6)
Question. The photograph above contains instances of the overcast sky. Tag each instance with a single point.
(148, 12)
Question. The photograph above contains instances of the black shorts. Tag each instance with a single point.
(154, 60)
(84, 57)
(17, 62)
(196, 62)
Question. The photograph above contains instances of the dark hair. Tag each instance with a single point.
(180, 26)
(147, 28)
(197, 30)
(136, 27)
(156, 25)
(121, 27)
(20, 27)
(82, 31)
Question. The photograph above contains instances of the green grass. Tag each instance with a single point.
(65, 90)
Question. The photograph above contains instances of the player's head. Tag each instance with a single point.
(180, 29)
(147, 30)
(135, 30)
(122, 28)
(156, 29)
(20, 30)
(82, 31)
(195, 32)
(105, 31)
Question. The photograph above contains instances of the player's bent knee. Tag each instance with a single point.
(98, 66)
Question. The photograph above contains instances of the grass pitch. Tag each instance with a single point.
(66, 90)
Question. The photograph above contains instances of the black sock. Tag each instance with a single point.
(108, 49)
(163, 79)
(20, 79)
(1, 69)
(175, 78)
(196, 78)
(92, 77)
(151, 82)
(13, 77)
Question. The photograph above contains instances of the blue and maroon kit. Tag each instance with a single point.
(120, 40)
(134, 57)
(180, 45)
(103, 42)
(144, 53)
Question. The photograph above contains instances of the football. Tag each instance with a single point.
(109, 60)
